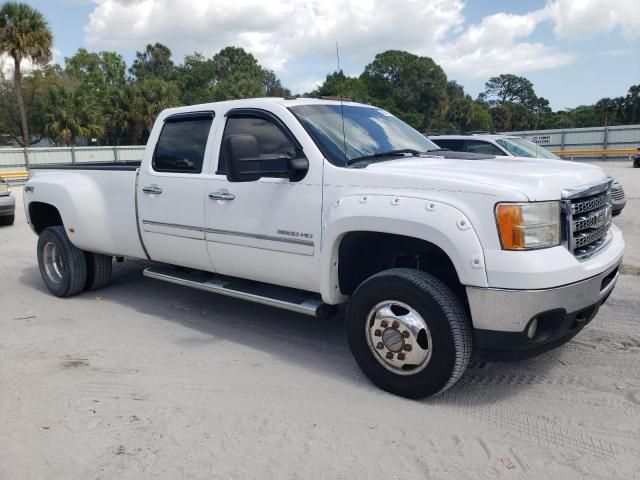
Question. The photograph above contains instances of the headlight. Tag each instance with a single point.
(527, 226)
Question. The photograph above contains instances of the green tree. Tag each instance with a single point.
(150, 97)
(34, 92)
(508, 88)
(460, 112)
(24, 35)
(480, 119)
(455, 91)
(412, 87)
(196, 78)
(154, 62)
(97, 70)
(631, 105)
(509, 117)
(272, 84)
(337, 84)
(238, 75)
(122, 122)
(70, 116)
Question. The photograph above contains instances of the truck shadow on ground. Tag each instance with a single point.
(307, 342)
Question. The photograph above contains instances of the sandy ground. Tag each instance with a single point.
(148, 380)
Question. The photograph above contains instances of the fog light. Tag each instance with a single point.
(533, 328)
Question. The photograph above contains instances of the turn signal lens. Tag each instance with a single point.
(527, 226)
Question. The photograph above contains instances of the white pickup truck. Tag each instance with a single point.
(305, 204)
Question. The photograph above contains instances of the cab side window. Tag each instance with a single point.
(182, 143)
(478, 146)
(450, 144)
(271, 139)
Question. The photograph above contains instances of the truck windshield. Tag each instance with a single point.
(519, 147)
(367, 132)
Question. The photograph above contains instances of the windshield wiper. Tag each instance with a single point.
(402, 152)
(438, 150)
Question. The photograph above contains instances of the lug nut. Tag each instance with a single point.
(380, 346)
(407, 347)
(389, 355)
(377, 333)
(401, 356)
(384, 324)
(405, 334)
(395, 324)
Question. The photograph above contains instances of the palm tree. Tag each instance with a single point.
(71, 115)
(24, 34)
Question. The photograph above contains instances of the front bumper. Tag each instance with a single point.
(501, 317)
(7, 205)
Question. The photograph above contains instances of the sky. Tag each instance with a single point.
(574, 51)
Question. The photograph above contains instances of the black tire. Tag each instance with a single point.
(72, 272)
(7, 220)
(99, 268)
(445, 318)
(636, 163)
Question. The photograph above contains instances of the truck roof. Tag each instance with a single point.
(287, 102)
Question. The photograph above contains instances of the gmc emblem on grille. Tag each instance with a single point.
(603, 217)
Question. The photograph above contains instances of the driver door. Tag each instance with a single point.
(266, 229)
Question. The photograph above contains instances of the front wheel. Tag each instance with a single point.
(409, 333)
(62, 265)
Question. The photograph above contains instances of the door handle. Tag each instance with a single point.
(152, 190)
(221, 196)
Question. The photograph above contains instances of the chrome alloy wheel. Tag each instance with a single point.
(398, 337)
(53, 263)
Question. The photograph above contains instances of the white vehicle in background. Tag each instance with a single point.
(307, 204)
(513, 146)
(7, 204)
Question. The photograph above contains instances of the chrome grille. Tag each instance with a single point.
(588, 214)
(590, 204)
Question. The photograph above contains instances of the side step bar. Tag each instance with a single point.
(281, 297)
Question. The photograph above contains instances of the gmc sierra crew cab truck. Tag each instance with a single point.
(305, 204)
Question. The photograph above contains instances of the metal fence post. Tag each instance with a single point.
(73, 155)
(605, 141)
(115, 154)
(562, 140)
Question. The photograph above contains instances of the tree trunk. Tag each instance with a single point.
(17, 80)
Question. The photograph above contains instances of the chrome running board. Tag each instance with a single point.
(274, 296)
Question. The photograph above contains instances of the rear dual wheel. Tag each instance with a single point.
(409, 333)
(67, 270)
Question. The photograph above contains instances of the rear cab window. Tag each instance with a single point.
(182, 143)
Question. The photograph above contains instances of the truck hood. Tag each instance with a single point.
(536, 179)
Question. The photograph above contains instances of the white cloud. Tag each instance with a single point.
(498, 44)
(276, 30)
(585, 18)
(285, 34)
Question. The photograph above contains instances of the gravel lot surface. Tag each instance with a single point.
(144, 379)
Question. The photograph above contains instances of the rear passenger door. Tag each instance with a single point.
(171, 191)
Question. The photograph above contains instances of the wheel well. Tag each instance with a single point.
(43, 215)
(362, 254)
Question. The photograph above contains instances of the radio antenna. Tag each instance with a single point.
(344, 136)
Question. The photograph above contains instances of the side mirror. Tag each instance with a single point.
(242, 158)
(246, 164)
